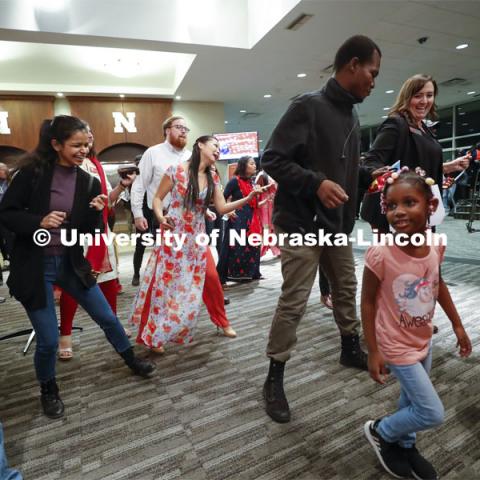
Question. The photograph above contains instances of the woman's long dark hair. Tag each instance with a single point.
(241, 170)
(193, 189)
(60, 128)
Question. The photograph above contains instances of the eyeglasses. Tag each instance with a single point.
(180, 128)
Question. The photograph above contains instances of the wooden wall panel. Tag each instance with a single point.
(149, 116)
(98, 113)
(25, 114)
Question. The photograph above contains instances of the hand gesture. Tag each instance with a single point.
(141, 224)
(99, 202)
(461, 163)
(380, 171)
(377, 368)
(53, 220)
(463, 341)
(128, 180)
(331, 194)
(211, 216)
(232, 215)
(257, 190)
(166, 223)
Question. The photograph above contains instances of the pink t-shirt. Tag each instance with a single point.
(405, 301)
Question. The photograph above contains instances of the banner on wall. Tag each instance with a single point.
(236, 145)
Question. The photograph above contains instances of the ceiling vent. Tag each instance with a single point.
(453, 82)
(250, 115)
(299, 21)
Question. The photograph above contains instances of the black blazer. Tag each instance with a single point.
(396, 140)
(22, 209)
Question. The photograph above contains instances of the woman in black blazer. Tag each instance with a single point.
(405, 135)
(51, 193)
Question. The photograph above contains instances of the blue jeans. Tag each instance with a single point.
(419, 406)
(45, 323)
(5, 472)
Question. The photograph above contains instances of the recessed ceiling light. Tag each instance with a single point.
(461, 46)
(389, 91)
(226, 121)
(384, 116)
(471, 93)
(386, 108)
(462, 113)
(243, 111)
(301, 75)
(59, 94)
(122, 95)
(178, 97)
(267, 95)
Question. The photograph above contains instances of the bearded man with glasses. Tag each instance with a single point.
(153, 164)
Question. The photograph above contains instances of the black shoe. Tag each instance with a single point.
(51, 403)
(392, 457)
(276, 404)
(226, 301)
(140, 367)
(352, 355)
(422, 469)
(136, 280)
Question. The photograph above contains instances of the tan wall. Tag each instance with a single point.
(203, 118)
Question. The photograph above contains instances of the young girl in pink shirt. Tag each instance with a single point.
(401, 284)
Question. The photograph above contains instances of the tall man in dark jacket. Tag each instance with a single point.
(313, 154)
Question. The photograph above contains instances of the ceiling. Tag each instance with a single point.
(232, 51)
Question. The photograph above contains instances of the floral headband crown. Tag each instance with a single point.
(393, 176)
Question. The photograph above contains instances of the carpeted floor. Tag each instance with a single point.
(201, 416)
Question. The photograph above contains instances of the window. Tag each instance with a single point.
(468, 119)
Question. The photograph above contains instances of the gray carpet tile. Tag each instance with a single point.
(201, 415)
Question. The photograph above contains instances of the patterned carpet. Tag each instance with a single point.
(201, 416)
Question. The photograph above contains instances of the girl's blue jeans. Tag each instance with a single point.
(5, 472)
(44, 321)
(419, 406)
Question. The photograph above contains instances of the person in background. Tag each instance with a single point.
(153, 165)
(50, 192)
(313, 155)
(5, 235)
(265, 209)
(102, 257)
(241, 262)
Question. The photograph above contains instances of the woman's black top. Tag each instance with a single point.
(397, 140)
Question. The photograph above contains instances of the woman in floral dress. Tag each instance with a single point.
(167, 305)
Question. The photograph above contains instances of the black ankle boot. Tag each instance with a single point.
(139, 367)
(352, 355)
(276, 404)
(51, 402)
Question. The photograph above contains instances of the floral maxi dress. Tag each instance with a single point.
(168, 302)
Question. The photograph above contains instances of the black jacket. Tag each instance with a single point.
(317, 138)
(21, 211)
(396, 140)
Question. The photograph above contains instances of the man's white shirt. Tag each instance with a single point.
(153, 165)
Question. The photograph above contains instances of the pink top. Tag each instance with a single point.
(405, 301)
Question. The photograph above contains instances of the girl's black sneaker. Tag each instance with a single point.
(392, 457)
(422, 469)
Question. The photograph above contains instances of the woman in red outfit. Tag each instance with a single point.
(178, 278)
